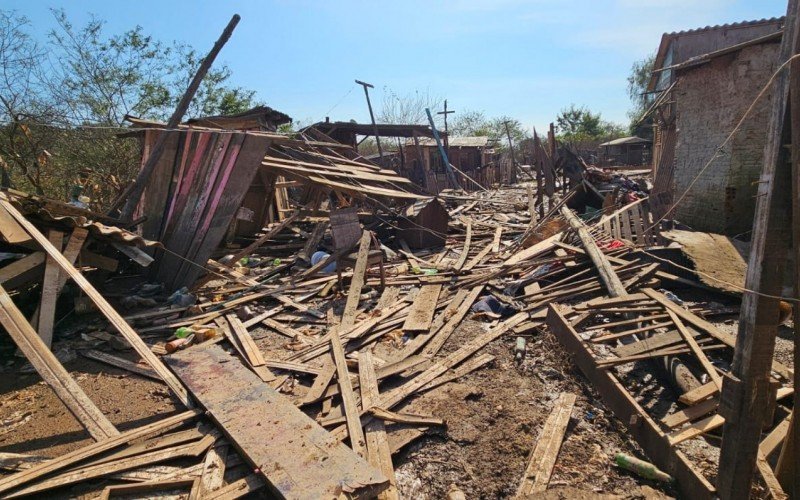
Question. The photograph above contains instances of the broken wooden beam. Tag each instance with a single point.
(543, 458)
(297, 457)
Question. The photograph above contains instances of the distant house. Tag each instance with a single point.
(704, 81)
(626, 151)
(473, 156)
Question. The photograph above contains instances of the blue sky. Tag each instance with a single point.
(525, 59)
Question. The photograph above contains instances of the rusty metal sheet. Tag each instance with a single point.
(298, 458)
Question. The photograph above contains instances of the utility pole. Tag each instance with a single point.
(372, 116)
(448, 168)
(446, 132)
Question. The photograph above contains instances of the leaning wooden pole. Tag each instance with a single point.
(447, 167)
(132, 195)
(746, 390)
(787, 469)
(607, 275)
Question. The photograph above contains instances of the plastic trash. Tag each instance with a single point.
(642, 468)
(318, 257)
(671, 296)
(490, 304)
(182, 298)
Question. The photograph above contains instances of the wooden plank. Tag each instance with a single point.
(688, 337)
(136, 254)
(93, 450)
(698, 394)
(47, 308)
(691, 413)
(246, 251)
(465, 368)
(354, 430)
(421, 314)
(479, 257)
(356, 282)
(496, 241)
(607, 275)
(391, 398)
(121, 363)
(440, 337)
(23, 270)
(213, 476)
(249, 347)
(262, 371)
(774, 439)
(641, 426)
(293, 453)
(378, 452)
(148, 487)
(238, 488)
(12, 232)
(544, 455)
(404, 418)
(128, 463)
(157, 443)
(108, 311)
(707, 327)
(465, 250)
(71, 252)
(284, 330)
(708, 424)
(321, 383)
(52, 371)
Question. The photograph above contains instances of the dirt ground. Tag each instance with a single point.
(494, 416)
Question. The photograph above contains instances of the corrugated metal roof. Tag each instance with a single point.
(54, 211)
(98, 229)
(741, 24)
(459, 142)
(625, 140)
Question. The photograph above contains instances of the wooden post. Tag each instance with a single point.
(746, 391)
(446, 131)
(368, 86)
(537, 158)
(448, 168)
(787, 469)
(512, 178)
(52, 371)
(551, 139)
(130, 197)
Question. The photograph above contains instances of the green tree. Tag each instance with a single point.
(475, 123)
(638, 80)
(578, 124)
(64, 97)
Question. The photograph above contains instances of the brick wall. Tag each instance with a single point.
(710, 100)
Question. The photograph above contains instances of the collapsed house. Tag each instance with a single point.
(703, 81)
(313, 314)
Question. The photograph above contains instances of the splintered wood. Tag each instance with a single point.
(306, 373)
(543, 458)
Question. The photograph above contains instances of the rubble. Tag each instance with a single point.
(321, 325)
